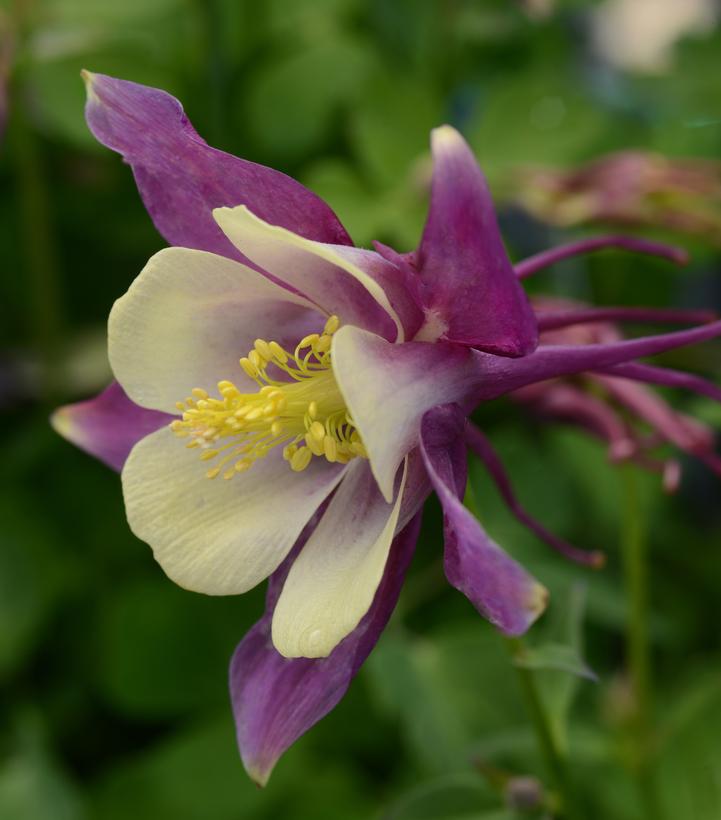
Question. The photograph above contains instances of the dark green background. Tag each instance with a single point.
(114, 701)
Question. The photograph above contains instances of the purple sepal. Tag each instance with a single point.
(181, 178)
(468, 279)
(499, 588)
(107, 426)
(276, 699)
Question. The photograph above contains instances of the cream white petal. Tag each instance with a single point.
(187, 319)
(331, 584)
(215, 536)
(326, 275)
(388, 387)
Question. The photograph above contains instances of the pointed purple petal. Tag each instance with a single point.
(596, 243)
(469, 282)
(500, 589)
(276, 699)
(483, 448)
(181, 178)
(108, 426)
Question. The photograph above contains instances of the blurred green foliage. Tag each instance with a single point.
(114, 700)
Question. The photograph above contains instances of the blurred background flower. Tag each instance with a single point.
(114, 702)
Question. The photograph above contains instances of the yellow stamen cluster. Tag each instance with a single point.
(298, 405)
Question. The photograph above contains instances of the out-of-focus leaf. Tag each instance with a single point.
(165, 651)
(558, 658)
(32, 575)
(559, 688)
(340, 185)
(405, 673)
(453, 797)
(448, 690)
(539, 115)
(32, 786)
(90, 12)
(197, 774)
(391, 131)
(296, 98)
(689, 767)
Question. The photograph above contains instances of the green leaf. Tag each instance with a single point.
(556, 657)
(32, 785)
(33, 574)
(165, 651)
(296, 98)
(452, 797)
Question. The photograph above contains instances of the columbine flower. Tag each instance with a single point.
(323, 390)
(629, 417)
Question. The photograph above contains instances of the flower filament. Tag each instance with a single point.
(298, 405)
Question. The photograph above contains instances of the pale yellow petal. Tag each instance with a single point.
(330, 279)
(331, 584)
(187, 319)
(215, 536)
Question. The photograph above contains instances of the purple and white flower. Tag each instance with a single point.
(322, 391)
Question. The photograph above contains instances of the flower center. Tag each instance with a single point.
(307, 415)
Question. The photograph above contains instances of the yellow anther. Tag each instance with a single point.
(323, 344)
(317, 431)
(315, 446)
(263, 349)
(301, 459)
(278, 352)
(308, 341)
(297, 407)
(330, 448)
(248, 368)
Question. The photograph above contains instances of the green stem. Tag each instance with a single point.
(553, 758)
(635, 557)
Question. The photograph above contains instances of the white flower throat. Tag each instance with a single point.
(306, 415)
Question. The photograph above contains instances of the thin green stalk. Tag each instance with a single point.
(638, 657)
(552, 755)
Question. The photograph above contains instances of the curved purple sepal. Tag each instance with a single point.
(276, 699)
(469, 282)
(107, 426)
(499, 588)
(181, 178)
